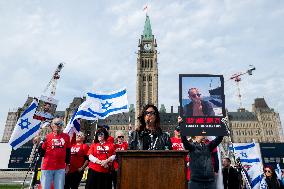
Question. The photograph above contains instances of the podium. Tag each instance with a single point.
(155, 169)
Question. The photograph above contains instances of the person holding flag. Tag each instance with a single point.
(79, 161)
(56, 156)
(101, 155)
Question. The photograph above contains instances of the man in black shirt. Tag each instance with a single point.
(231, 177)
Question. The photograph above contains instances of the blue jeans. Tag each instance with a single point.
(57, 176)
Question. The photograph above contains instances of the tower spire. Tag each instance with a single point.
(147, 32)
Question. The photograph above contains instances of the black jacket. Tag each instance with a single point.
(274, 183)
(201, 168)
(231, 178)
(145, 140)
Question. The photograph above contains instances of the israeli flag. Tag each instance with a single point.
(250, 158)
(73, 125)
(98, 105)
(26, 127)
(102, 105)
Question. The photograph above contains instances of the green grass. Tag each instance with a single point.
(10, 186)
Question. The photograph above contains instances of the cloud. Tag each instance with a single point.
(98, 40)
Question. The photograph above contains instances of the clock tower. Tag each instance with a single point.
(147, 70)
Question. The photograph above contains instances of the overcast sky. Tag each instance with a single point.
(97, 40)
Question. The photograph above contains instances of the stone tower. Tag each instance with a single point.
(147, 70)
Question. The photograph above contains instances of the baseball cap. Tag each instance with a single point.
(106, 127)
(177, 128)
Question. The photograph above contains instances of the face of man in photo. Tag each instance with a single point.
(46, 107)
(194, 95)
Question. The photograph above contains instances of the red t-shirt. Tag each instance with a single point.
(117, 146)
(110, 139)
(78, 153)
(122, 146)
(55, 151)
(177, 143)
(102, 152)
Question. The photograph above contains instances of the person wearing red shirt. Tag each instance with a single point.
(121, 144)
(56, 156)
(178, 145)
(110, 138)
(78, 163)
(101, 155)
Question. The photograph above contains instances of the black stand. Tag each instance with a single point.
(33, 167)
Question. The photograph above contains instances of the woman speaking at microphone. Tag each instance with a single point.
(149, 135)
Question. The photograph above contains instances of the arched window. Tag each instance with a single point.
(144, 78)
(150, 78)
(151, 63)
(142, 61)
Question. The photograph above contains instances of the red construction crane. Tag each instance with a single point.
(237, 78)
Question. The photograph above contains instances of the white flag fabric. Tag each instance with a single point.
(250, 157)
(99, 105)
(73, 126)
(26, 127)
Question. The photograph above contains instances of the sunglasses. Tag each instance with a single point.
(178, 130)
(195, 95)
(150, 113)
(267, 171)
(58, 124)
(120, 137)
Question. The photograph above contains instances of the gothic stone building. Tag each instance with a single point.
(262, 124)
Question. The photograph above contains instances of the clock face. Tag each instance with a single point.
(147, 46)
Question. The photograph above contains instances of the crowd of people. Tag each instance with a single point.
(64, 161)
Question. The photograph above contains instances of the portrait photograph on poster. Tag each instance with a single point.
(46, 109)
(202, 104)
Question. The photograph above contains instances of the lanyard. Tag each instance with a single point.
(153, 144)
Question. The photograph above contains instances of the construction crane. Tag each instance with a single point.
(237, 78)
(53, 82)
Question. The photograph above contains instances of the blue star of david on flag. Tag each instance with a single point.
(243, 154)
(106, 105)
(26, 128)
(250, 157)
(101, 105)
(24, 123)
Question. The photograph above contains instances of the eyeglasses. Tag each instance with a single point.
(120, 137)
(150, 113)
(267, 171)
(178, 130)
(195, 95)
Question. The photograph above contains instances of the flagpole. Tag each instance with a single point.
(236, 161)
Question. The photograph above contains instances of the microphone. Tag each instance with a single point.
(148, 122)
